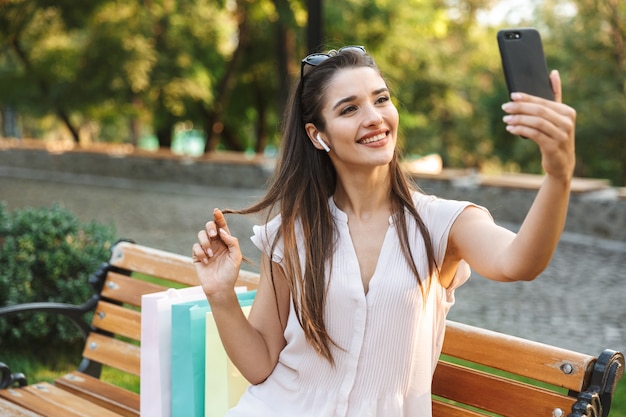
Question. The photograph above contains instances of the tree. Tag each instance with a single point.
(227, 66)
(588, 44)
(64, 58)
(437, 59)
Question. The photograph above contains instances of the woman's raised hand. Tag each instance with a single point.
(217, 256)
(550, 124)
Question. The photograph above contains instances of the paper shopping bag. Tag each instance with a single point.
(188, 354)
(188, 329)
(155, 355)
(224, 384)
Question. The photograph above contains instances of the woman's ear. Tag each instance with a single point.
(316, 137)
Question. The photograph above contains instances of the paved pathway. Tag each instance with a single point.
(579, 302)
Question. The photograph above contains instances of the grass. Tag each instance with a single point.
(51, 363)
(618, 409)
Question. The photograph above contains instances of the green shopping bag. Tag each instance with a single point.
(188, 355)
(224, 384)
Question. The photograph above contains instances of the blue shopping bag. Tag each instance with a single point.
(155, 356)
(189, 355)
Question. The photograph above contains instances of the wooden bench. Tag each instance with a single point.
(480, 372)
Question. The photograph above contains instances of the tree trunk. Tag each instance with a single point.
(164, 135)
(213, 124)
(285, 45)
(315, 26)
(261, 124)
(62, 114)
(617, 33)
(231, 140)
(135, 122)
(45, 90)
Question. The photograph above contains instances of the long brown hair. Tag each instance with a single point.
(303, 181)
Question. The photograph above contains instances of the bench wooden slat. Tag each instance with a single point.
(46, 399)
(442, 409)
(516, 355)
(154, 262)
(10, 409)
(113, 352)
(173, 267)
(24, 398)
(496, 394)
(112, 397)
(128, 290)
(118, 320)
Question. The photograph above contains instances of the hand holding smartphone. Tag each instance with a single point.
(524, 63)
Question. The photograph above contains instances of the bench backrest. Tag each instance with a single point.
(132, 271)
(508, 375)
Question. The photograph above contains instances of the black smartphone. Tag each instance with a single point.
(524, 63)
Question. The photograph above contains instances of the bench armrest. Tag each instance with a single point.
(8, 378)
(73, 312)
(606, 373)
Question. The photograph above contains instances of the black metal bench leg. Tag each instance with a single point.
(596, 400)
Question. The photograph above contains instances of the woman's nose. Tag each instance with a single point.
(373, 116)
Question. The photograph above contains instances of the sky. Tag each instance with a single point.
(510, 12)
(513, 12)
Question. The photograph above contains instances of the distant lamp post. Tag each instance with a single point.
(315, 26)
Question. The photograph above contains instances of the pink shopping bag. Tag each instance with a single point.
(156, 331)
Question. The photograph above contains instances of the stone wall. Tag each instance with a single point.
(596, 209)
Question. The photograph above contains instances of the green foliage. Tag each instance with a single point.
(225, 68)
(47, 254)
(439, 62)
(618, 408)
(589, 47)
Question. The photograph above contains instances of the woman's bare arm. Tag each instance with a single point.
(253, 344)
(497, 253)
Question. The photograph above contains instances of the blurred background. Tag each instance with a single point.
(201, 85)
(198, 76)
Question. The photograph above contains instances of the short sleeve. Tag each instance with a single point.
(263, 237)
(439, 216)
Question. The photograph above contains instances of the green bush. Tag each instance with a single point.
(46, 254)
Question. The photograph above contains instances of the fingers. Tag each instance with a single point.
(537, 118)
(220, 220)
(555, 80)
(550, 124)
(214, 237)
(199, 254)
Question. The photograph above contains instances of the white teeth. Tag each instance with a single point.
(374, 138)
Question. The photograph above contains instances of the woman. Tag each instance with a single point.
(359, 268)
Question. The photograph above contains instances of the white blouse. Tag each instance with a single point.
(389, 339)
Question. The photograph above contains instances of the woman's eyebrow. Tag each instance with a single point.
(344, 100)
(352, 98)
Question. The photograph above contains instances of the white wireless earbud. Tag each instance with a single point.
(324, 145)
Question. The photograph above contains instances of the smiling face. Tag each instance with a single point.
(361, 122)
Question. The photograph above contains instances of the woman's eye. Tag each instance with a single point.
(348, 109)
(383, 99)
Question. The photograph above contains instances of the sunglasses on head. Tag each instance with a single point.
(314, 60)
